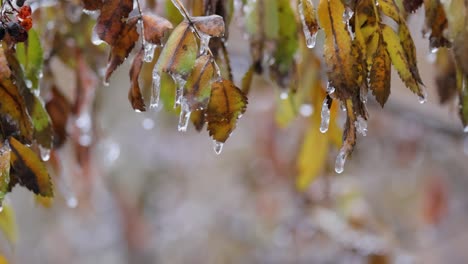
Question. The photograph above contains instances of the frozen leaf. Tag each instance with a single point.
(197, 90)
(411, 5)
(380, 75)
(212, 26)
(227, 104)
(134, 94)
(309, 21)
(28, 170)
(122, 46)
(156, 28)
(59, 109)
(180, 51)
(8, 224)
(29, 54)
(5, 156)
(111, 24)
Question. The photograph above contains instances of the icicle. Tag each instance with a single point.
(156, 89)
(348, 14)
(95, 38)
(325, 114)
(204, 41)
(361, 125)
(45, 153)
(423, 97)
(330, 88)
(310, 38)
(340, 161)
(343, 107)
(218, 147)
(180, 83)
(184, 117)
(284, 95)
(149, 52)
(306, 110)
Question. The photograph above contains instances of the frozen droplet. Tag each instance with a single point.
(204, 42)
(149, 52)
(325, 115)
(306, 110)
(92, 13)
(330, 88)
(184, 117)
(1, 208)
(72, 202)
(28, 83)
(465, 129)
(309, 37)
(45, 153)
(180, 83)
(148, 123)
(343, 107)
(423, 96)
(361, 125)
(156, 90)
(95, 39)
(434, 49)
(105, 82)
(348, 14)
(284, 95)
(340, 161)
(218, 147)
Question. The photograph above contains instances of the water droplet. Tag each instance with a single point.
(92, 13)
(330, 88)
(184, 117)
(465, 129)
(1, 208)
(155, 91)
(434, 49)
(306, 110)
(361, 125)
(148, 123)
(310, 38)
(343, 107)
(149, 52)
(28, 83)
(284, 95)
(180, 83)
(325, 115)
(95, 38)
(45, 153)
(218, 147)
(72, 202)
(105, 82)
(423, 96)
(340, 161)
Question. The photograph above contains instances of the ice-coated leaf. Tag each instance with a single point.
(197, 90)
(156, 28)
(247, 80)
(309, 21)
(180, 51)
(112, 20)
(380, 75)
(227, 103)
(399, 59)
(338, 49)
(122, 46)
(212, 26)
(134, 94)
(28, 170)
(30, 56)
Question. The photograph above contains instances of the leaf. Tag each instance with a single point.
(30, 56)
(8, 224)
(212, 26)
(3, 260)
(412, 5)
(309, 21)
(156, 28)
(198, 119)
(399, 60)
(380, 75)
(92, 4)
(14, 118)
(197, 89)
(338, 49)
(122, 46)
(134, 94)
(446, 75)
(227, 103)
(247, 80)
(5, 156)
(111, 24)
(436, 22)
(59, 109)
(28, 170)
(179, 54)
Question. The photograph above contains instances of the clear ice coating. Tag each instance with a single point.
(204, 41)
(45, 153)
(155, 90)
(180, 83)
(310, 38)
(325, 114)
(95, 38)
(423, 96)
(184, 117)
(348, 14)
(340, 161)
(330, 88)
(218, 147)
(149, 52)
(361, 125)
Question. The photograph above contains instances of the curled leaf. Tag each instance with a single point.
(197, 89)
(134, 94)
(112, 20)
(212, 26)
(59, 109)
(156, 28)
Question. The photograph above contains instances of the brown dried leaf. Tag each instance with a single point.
(156, 28)
(212, 26)
(111, 22)
(380, 75)
(134, 94)
(59, 109)
(92, 4)
(446, 75)
(197, 89)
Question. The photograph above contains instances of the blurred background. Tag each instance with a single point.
(155, 195)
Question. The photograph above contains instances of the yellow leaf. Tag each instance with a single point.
(380, 75)
(8, 224)
(3, 260)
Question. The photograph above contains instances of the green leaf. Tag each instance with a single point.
(30, 56)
